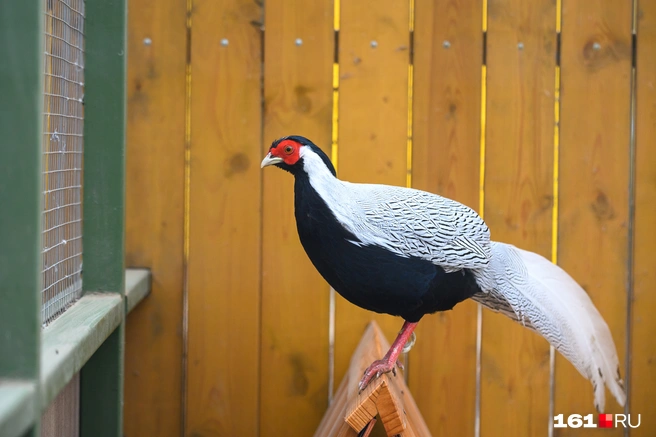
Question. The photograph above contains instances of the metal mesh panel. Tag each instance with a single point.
(62, 155)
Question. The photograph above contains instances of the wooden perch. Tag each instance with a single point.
(387, 396)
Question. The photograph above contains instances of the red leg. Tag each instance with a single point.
(388, 362)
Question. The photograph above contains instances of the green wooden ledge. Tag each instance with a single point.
(17, 407)
(66, 345)
(137, 287)
(69, 341)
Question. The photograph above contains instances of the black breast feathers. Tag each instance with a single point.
(369, 276)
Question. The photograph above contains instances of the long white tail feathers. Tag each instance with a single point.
(544, 295)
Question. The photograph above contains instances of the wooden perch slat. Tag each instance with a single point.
(382, 395)
(362, 407)
(390, 409)
(386, 396)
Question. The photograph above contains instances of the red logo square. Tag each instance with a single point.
(605, 421)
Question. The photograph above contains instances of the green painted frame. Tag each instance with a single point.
(89, 337)
(21, 120)
(101, 380)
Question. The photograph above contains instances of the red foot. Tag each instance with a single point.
(385, 365)
(375, 370)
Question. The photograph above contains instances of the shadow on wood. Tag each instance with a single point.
(353, 413)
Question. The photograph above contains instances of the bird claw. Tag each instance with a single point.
(376, 369)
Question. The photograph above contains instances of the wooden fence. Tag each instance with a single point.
(541, 115)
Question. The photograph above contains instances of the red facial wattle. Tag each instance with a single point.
(288, 150)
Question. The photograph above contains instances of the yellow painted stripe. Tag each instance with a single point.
(408, 160)
(412, 15)
(481, 178)
(481, 211)
(334, 150)
(556, 152)
(554, 215)
(408, 176)
(334, 155)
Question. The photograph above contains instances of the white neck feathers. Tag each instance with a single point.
(314, 165)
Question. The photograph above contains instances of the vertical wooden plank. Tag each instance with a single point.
(373, 115)
(154, 215)
(224, 234)
(101, 378)
(521, 53)
(21, 122)
(104, 146)
(21, 131)
(643, 345)
(594, 177)
(297, 100)
(448, 45)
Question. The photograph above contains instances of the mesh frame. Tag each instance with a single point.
(62, 144)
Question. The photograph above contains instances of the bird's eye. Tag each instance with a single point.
(289, 150)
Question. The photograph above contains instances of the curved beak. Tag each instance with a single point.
(270, 160)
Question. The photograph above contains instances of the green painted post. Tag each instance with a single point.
(101, 385)
(104, 146)
(21, 121)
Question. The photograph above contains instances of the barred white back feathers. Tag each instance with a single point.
(404, 221)
(545, 298)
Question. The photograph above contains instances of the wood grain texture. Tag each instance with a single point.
(225, 220)
(594, 178)
(362, 406)
(154, 215)
(62, 417)
(445, 160)
(387, 398)
(518, 202)
(373, 116)
(643, 345)
(297, 100)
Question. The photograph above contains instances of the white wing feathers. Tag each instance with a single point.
(405, 221)
(549, 301)
(416, 223)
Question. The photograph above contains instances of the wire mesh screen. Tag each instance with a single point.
(62, 155)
